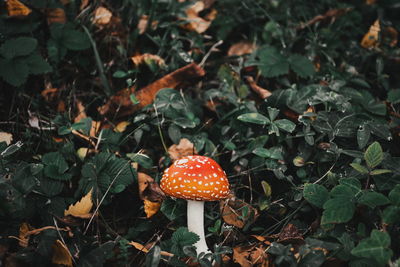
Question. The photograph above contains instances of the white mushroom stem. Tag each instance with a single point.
(195, 221)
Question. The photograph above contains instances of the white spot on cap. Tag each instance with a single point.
(181, 161)
(215, 175)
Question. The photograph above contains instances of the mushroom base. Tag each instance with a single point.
(195, 221)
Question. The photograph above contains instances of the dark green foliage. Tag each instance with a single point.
(321, 153)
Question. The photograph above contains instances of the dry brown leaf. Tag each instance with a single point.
(140, 247)
(121, 127)
(6, 137)
(263, 93)
(146, 58)
(371, 38)
(17, 9)
(184, 148)
(84, 4)
(81, 209)
(195, 22)
(331, 14)
(232, 211)
(61, 254)
(290, 234)
(149, 189)
(241, 48)
(102, 16)
(151, 208)
(392, 36)
(56, 15)
(25, 231)
(121, 102)
(143, 24)
(251, 255)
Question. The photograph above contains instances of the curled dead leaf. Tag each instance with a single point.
(6, 137)
(147, 248)
(61, 254)
(121, 127)
(147, 58)
(82, 208)
(17, 9)
(195, 21)
(184, 148)
(371, 38)
(149, 189)
(236, 212)
(121, 105)
(101, 16)
(143, 24)
(56, 15)
(151, 208)
(241, 48)
(252, 255)
(263, 93)
(290, 235)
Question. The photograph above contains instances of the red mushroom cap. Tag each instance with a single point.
(195, 178)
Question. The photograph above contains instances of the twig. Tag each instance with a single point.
(203, 61)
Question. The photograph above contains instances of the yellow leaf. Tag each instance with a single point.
(81, 209)
(267, 188)
(102, 16)
(151, 208)
(6, 137)
(61, 254)
(371, 38)
(121, 127)
(148, 58)
(16, 9)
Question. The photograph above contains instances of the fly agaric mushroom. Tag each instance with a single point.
(196, 179)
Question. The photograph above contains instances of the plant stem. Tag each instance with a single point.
(195, 221)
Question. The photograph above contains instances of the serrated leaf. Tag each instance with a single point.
(394, 195)
(337, 210)
(373, 199)
(82, 208)
(376, 248)
(301, 65)
(379, 171)
(183, 237)
(391, 214)
(272, 63)
(285, 125)
(315, 194)
(256, 118)
(16, 47)
(360, 168)
(373, 155)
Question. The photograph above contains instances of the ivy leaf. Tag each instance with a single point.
(256, 118)
(21, 46)
(316, 194)
(376, 248)
(272, 63)
(301, 65)
(374, 155)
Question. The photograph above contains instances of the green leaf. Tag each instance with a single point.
(285, 125)
(360, 168)
(153, 257)
(75, 40)
(376, 248)
(256, 118)
(37, 64)
(272, 63)
(183, 237)
(173, 209)
(262, 152)
(379, 171)
(373, 199)
(14, 71)
(394, 96)
(363, 135)
(272, 113)
(144, 160)
(337, 210)
(391, 214)
(315, 194)
(374, 155)
(97, 256)
(21, 46)
(301, 65)
(394, 195)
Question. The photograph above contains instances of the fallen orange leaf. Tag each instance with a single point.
(195, 22)
(149, 189)
(146, 58)
(121, 127)
(151, 208)
(143, 24)
(81, 209)
(121, 105)
(263, 93)
(17, 9)
(61, 254)
(371, 38)
(184, 148)
(102, 16)
(232, 211)
(241, 48)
